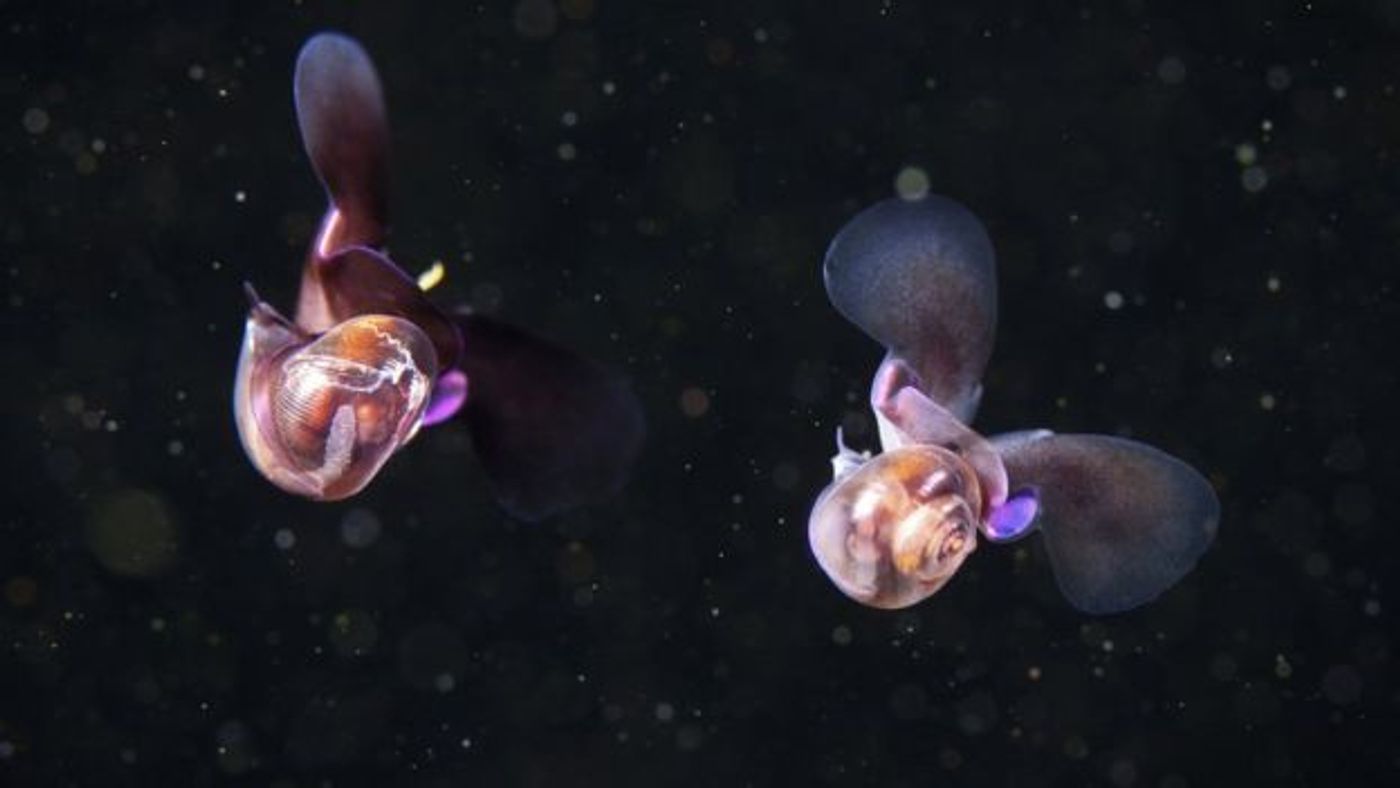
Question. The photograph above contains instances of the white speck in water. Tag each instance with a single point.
(911, 183)
(196, 72)
(1113, 299)
(35, 120)
(284, 539)
(1254, 179)
(240, 196)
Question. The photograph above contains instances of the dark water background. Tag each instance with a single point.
(656, 182)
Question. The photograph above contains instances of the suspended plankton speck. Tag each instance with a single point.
(1113, 299)
(1254, 179)
(240, 196)
(432, 277)
(1171, 71)
(1272, 284)
(284, 539)
(35, 120)
(196, 72)
(1267, 401)
(1246, 154)
(911, 183)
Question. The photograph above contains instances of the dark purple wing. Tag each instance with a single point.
(919, 277)
(1122, 521)
(554, 430)
(361, 281)
(340, 109)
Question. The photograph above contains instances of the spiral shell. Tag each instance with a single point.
(892, 532)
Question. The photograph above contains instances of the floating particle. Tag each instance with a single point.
(1254, 179)
(694, 402)
(841, 635)
(566, 151)
(609, 88)
(360, 528)
(1278, 78)
(1246, 154)
(1171, 70)
(1282, 668)
(1342, 685)
(432, 276)
(665, 712)
(133, 533)
(911, 183)
(1272, 284)
(1221, 357)
(1267, 401)
(284, 539)
(35, 120)
(196, 72)
(1339, 92)
(1113, 299)
(569, 119)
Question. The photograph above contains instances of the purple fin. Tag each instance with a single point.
(340, 109)
(449, 395)
(361, 281)
(1013, 519)
(554, 430)
(919, 276)
(1123, 521)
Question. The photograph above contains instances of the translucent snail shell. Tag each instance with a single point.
(892, 531)
(320, 415)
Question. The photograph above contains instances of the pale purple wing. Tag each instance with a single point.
(1122, 521)
(554, 430)
(340, 108)
(919, 276)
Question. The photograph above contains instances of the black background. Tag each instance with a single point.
(681, 634)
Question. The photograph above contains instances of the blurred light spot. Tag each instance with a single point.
(133, 533)
(353, 633)
(195, 72)
(1254, 179)
(1171, 71)
(911, 183)
(1278, 78)
(694, 402)
(360, 528)
(1113, 299)
(1267, 401)
(35, 120)
(284, 539)
(1246, 154)
(841, 635)
(665, 712)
